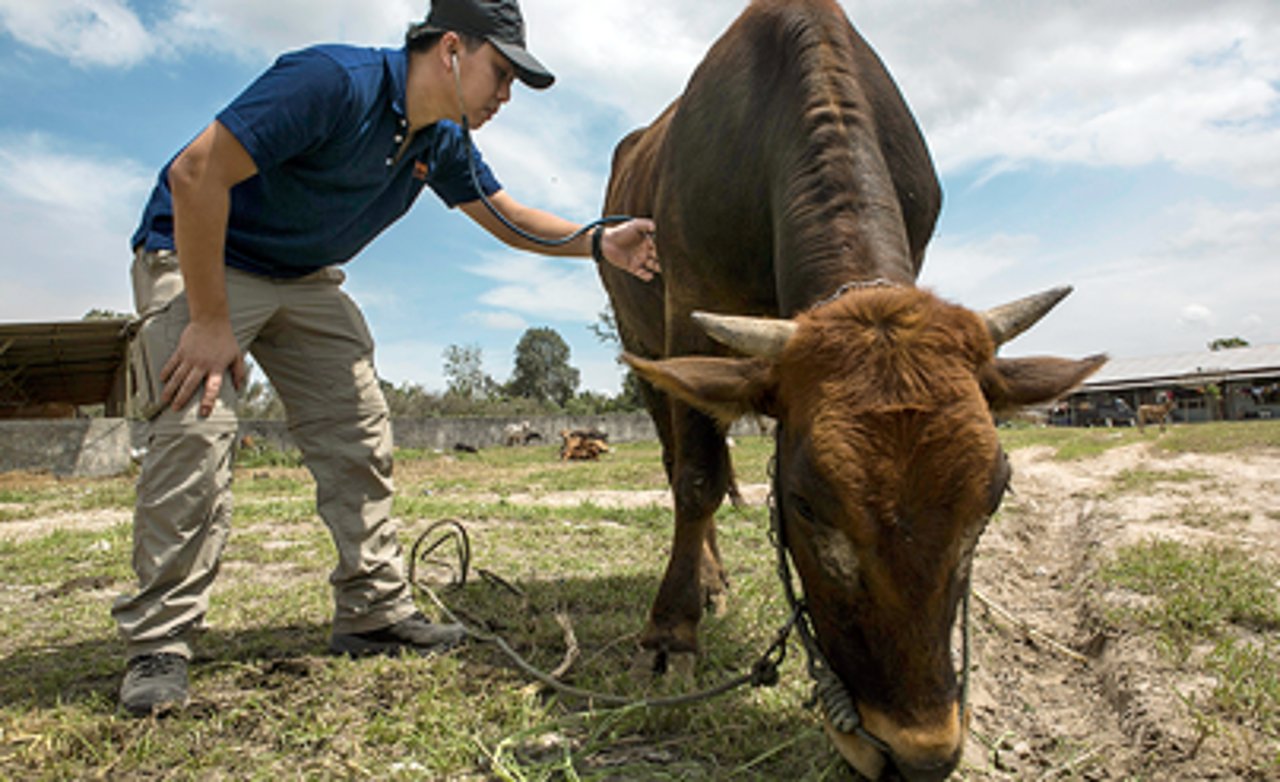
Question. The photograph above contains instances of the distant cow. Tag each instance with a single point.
(580, 444)
(793, 191)
(519, 434)
(1157, 413)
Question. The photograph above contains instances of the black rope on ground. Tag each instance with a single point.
(764, 671)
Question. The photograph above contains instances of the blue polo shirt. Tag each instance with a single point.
(325, 127)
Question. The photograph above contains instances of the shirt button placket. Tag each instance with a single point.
(397, 140)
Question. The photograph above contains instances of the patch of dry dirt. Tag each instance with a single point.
(1055, 692)
(752, 494)
(98, 520)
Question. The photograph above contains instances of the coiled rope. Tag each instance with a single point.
(763, 672)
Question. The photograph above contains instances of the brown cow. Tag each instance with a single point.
(790, 183)
(1157, 413)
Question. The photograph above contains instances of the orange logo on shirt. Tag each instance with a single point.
(419, 170)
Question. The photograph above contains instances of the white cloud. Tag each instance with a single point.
(1091, 82)
(411, 361)
(1182, 84)
(86, 32)
(258, 30)
(542, 289)
(1214, 275)
(633, 58)
(545, 159)
(498, 321)
(600, 373)
(1187, 82)
(1197, 314)
(67, 218)
(960, 270)
(1214, 231)
(34, 171)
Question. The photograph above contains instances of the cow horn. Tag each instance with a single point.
(1009, 320)
(761, 337)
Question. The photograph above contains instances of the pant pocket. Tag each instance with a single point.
(148, 352)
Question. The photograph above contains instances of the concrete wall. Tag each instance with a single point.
(90, 447)
(95, 447)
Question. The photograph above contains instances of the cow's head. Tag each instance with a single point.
(888, 467)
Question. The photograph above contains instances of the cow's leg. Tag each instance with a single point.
(659, 407)
(694, 575)
(714, 580)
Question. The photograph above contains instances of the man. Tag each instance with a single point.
(237, 251)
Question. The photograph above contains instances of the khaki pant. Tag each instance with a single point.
(312, 342)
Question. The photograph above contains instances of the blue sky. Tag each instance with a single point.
(1129, 148)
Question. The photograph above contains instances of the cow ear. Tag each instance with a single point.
(724, 388)
(1014, 382)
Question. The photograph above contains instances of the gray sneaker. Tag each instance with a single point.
(154, 684)
(416, 633)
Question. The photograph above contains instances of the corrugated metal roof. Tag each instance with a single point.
(76, 362)
(1263, 360)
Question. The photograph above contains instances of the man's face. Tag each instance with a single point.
(486, 82)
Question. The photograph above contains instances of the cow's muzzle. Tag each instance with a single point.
(916, 754)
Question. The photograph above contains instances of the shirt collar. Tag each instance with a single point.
(396, 62)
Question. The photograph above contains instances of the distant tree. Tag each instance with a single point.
(631, 397)
(1226, 343)
(606, 327)
(410, 400)
(97, 314)
(606, 330)
(542, 370)
(259, 401)
(589, 403)
(464, 371)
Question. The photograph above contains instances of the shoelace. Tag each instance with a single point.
(157, 665)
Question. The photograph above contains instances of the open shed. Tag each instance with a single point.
(1233, 384)
(52, 369)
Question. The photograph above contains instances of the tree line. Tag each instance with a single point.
(542, 382)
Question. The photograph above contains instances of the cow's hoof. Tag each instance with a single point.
(716, 602)
(652, 665)
(681, 667)
(647, 664)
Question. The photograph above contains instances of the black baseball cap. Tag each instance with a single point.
(497, 21)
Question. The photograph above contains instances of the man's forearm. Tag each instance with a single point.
(200, 180)
(200, 226)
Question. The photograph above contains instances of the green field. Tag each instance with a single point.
(268, 704)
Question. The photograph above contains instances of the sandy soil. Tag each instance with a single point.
(1057, 693)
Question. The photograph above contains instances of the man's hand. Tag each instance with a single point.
(205, 352)
(630, 247)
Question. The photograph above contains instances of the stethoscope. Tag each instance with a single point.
(475, 182)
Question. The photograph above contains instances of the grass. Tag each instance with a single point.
(1221, 437)
(1214, 596)
(1143, 480)
(268, 704)
(1200, 591)
(1070, 443)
